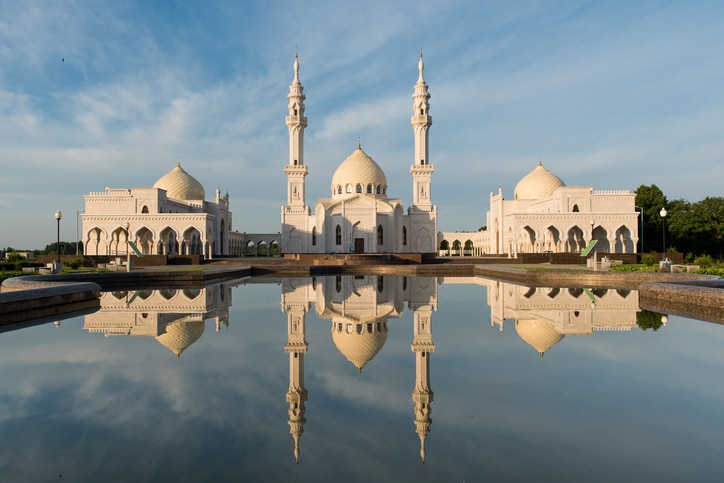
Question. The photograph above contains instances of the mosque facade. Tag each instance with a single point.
(171, 218)
(546, 216)
(358, 217)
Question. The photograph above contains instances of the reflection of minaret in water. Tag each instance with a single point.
(422, 395)
(296, 346)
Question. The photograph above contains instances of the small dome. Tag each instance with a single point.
(358, 170)
(538, 184)
(539, 334)
(180, 185)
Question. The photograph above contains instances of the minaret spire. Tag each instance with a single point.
(296, 122)
(421, 169)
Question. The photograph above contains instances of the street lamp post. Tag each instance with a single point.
(128, 253)
(58, 216)
(663, 214)
(593, 222)
(641, 233)
(77, 238)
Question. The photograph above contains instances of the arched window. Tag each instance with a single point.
(349, 188)
(380, 235)
(380, 284)
(575, 209)
(404, 235)
(378, 189)
(295, 162)
(144, 209)
(338, 283)
(359, 188)
(339, 189)
(338, 235)
(314, 235)
(369, 188)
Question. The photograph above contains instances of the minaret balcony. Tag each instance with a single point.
(297, 121)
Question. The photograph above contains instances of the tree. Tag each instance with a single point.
(651, 199)
(66, 248)
(698, 228)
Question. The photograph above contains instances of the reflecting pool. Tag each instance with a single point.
(364, 378)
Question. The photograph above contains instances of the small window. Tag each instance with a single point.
(144, 209)
(349, 188)
(314, 235)
(369, 188)
(338, 235)
(339, 189)
(378, 189)
(575, 209)
(404, 235)
(359, 188)
(380, 235)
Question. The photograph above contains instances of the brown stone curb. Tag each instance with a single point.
(584, 278)
(702, 300)
(30, 299)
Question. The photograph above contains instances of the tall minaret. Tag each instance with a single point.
(421, 170)
(295, 169)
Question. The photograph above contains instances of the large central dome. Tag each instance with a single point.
(180, 185)
(358, 174)
(537, 184)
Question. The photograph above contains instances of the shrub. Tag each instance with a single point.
(14, 257)
(647, 259)
(718, 271)
(704, 261)
(76, 263)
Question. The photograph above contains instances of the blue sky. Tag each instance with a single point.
(608, 94)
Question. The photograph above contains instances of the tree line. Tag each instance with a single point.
(693, 229)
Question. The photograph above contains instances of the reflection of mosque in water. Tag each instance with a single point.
(175, 317)
(544, 316)
(359, 308)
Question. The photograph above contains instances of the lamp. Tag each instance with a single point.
(58, 216)
(663, 214)
(641, 233)
(128, 253)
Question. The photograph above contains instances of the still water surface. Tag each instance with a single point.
(364, 379)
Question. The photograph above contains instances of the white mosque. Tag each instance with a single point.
(546, 216)
(171, 218)
(359, 217)
(543, 216)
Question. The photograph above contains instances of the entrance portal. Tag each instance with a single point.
(359, 245)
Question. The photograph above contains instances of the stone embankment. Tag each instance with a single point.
(24, 298)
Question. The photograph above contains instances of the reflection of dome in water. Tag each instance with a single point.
(359, 342)
(180, 335)
(537, 184)
(537, 333)
(180, 185)
(359, 169)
